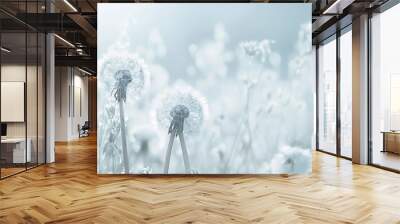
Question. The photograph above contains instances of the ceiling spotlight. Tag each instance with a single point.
(65, 41)
(70, 5)
(79, 51)
(337, 7)
(84, 71)
(5, 50)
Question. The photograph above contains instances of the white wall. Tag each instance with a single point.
(79, 110)
(61, 103)
(17, 73)
(11, 73)
(70, 83)
(34, 125)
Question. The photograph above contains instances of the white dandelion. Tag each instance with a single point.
(116, 64)
(187, 97)
(180, 110)
(126, 70)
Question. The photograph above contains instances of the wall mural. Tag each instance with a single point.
(205, 88)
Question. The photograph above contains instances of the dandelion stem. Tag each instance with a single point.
(184, 152)
(169, 150)
(123, 136)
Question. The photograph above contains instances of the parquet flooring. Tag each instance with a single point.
(10, 171)
(70, 191)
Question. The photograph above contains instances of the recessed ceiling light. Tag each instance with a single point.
(337, 7)
(5, 50)
(70, 5)
(64, 40)
(84, 71)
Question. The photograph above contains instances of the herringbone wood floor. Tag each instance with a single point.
(70, 191)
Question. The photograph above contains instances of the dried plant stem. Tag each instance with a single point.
(184, 153)
(169, 150)
(123, 136)
(233, 147)
(248, 147)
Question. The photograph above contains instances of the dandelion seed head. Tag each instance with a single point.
(123, 76)
(181, 100)
(180, 111)
(126, 69)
